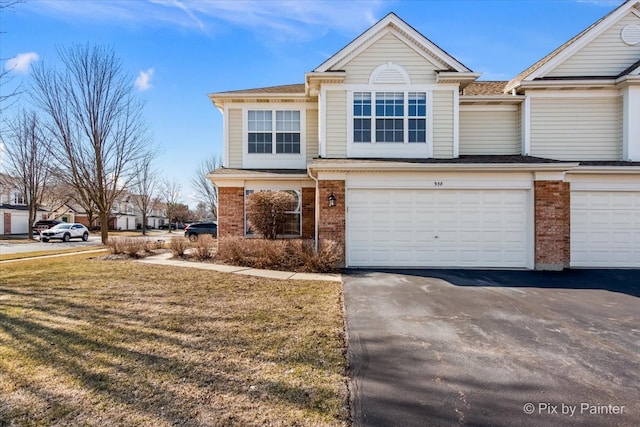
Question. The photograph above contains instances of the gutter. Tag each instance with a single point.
(316, 210)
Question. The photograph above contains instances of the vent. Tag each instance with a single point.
(389, 73)
(631, 35)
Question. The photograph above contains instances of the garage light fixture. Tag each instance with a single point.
(332, 200)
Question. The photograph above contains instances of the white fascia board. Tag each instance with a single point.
(391, 23)
(585, 39)
(573, 83)
(476, 167)
(613, 170)
(239, 180)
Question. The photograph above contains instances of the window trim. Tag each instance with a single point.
(274, 159)
(393, 149)
(298, 211)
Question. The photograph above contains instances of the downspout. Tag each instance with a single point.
(316, 210)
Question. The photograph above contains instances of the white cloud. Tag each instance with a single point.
(281, 20)
(143, 82)
(21, 63)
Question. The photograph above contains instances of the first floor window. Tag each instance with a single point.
(266, 126)
(292, 225)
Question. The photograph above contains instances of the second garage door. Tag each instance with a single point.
(437, 228)
(605, 229)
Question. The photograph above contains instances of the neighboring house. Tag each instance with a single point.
(394, 150)
(14, 212)
(156, 216)
(123, 215)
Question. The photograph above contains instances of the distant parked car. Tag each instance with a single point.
(194, 230)
(65, 232)
(44, 224)
(173, 226)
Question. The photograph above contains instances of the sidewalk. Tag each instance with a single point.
(164, 259)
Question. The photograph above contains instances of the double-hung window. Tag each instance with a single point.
(266, 126)
(396, 117)
(292, 224)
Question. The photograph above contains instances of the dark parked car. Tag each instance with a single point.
(181, 226)
(45, 224)
(193, 231)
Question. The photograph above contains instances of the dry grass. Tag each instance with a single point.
(21, 255)
(89, 342)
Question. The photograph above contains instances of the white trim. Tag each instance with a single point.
(549, 176)
(447, 180)
(225, 135)
(396, 149)
(322, 122)
(375, 74)
(391, 24)
(274, 160)
(585, 39)
(456, 124)
(630, 123)
(526, 126)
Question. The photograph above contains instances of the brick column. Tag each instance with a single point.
(552, 225)
(308, 213)
(331, 224)
(230, 211)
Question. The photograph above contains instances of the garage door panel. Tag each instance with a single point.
(468, 228)
(605, 226)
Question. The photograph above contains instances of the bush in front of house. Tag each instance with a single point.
(290, 255)
(204, 247)
(267, 210)
(134, 247)
(178, 246)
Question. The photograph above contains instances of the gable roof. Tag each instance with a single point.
(413, 38)
(581, 39)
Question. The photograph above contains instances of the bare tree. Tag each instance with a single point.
(170, 195)
(27, 152)
(205, 190)
(5, 75)
(144, 187)
(96, 124)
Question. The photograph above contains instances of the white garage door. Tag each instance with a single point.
(437, 228)
(605, 229)
(19, 223)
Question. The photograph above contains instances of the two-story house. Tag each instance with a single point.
(394, 149)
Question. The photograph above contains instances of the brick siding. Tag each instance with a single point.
(331, 225)
(230, 212)
(552, 225)
(308, 213)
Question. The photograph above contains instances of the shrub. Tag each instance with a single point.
(179, 246)
(294, 255)
(267, 210)
(131, 246)
(204, 247)
(115, 246)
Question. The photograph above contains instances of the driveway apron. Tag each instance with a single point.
(494, 348)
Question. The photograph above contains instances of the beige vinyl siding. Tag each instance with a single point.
(235, 138)
(489, 132)
(312, 135)
(443, 124)
(336, 124)
(575, 128)
(606, 55)
(390, 49)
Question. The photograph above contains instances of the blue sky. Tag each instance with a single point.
(178, 51)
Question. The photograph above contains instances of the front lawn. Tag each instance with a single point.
(91, 342)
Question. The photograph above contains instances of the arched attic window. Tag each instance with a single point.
(389, 73)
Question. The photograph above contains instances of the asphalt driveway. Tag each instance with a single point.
(494, 348)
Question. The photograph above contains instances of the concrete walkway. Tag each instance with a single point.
(165, 259)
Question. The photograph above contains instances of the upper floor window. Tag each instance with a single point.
(19, 199)
(398, 117)
(266, 126)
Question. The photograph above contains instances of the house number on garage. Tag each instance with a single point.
(437, 183)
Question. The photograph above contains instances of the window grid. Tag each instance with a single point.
(263, 124)
(399, 117)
